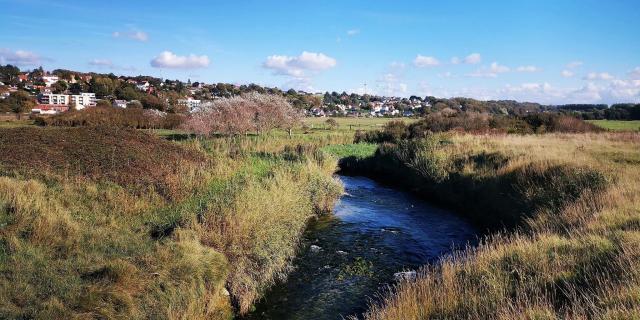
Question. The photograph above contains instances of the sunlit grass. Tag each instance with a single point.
(617, 125)
(358, 150)
(575, 259)
(353, 123)
(72, 247)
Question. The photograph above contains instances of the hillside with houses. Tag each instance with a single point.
(43, 92)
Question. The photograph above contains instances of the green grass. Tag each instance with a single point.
(358, 150)
(347, 123)
(16, 123)
(617, 125)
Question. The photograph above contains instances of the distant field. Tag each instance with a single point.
(354, 123)
(15, 123)
(617, 125)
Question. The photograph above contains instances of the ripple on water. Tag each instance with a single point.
(375, 232)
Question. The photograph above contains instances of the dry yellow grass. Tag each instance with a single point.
(72, 247)
(580, 262)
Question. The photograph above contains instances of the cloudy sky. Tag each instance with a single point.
(548, 51)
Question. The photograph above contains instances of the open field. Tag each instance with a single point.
(569, 202)
(617, 125)
(16, 123)
(348, 123)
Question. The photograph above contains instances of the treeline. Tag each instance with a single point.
(620, 111)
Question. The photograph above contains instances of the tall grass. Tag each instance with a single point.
(73, 246)
(573, 252)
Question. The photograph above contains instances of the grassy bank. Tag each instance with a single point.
(617, 125)
(563, 211)
(122, 224)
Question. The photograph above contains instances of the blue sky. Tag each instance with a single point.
(543, 51)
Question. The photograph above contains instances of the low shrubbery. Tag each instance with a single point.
(115, 117)
(477, 123)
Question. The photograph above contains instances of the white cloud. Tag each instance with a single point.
(634, 74)
(297, 66)
(168, 59)
(599, 76)
(397, 65)
(19, 57)
(473, 58)
(108, 64)
(497, 68)
(353, 32)
(491, 72)
(482, 74)
(567, 73)
(136, 35)
(424, 61)
(101, 63)
(527, 69)
(445, 75)
(574, 64)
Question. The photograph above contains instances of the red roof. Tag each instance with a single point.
(56, 107)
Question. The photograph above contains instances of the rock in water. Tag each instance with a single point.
(315, 248)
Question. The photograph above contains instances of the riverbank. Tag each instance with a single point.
(562, 213)
(118, 223)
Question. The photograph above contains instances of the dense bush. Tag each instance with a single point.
(393, 131)
(115, 117)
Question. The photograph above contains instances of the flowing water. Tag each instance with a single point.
(349, 257)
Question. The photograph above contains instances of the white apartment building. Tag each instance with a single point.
(80, 101)
(56, 99)
(83, 100)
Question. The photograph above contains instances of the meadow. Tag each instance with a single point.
(617, 125)
(352, 123)
(156, 223)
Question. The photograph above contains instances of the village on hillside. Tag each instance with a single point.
(59, 91)
(44, 93)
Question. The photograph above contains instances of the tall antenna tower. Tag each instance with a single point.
(365, 88)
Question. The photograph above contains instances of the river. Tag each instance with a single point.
(349, 257)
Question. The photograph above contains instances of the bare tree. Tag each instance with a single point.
(241, 114)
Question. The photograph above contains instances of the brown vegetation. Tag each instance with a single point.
(131, 158)
(241, 114)
(115, 117)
